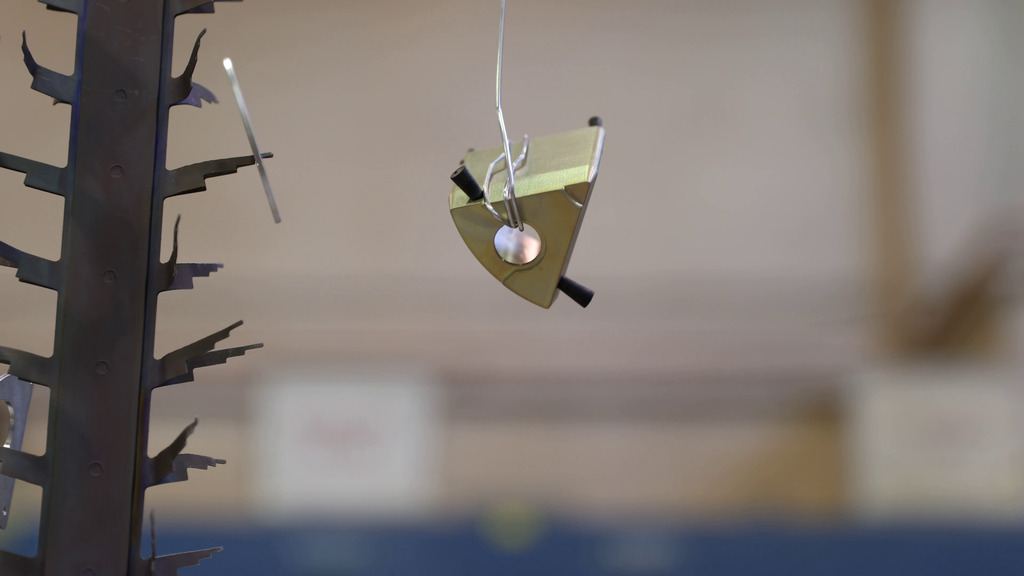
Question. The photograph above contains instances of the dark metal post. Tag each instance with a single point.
(102, 374)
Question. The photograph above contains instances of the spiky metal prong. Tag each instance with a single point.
(57, 86)
(178, 366)
(31, 268)
(72, 6)
(185, 462)
(170, 465)
(177, 276)
(169, 565)
(198, 95)
(37, 174)
(192, 178)
(103, 371)
(163, 464)
(28, 366)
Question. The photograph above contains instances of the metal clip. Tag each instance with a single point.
(511, 204)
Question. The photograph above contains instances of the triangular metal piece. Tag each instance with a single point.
(553, 189)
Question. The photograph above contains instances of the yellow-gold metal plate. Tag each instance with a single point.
(553, 189)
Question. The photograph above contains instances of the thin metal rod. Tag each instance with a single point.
(511, 205)
(229, 67)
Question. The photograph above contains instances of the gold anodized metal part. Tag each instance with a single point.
(553, 189)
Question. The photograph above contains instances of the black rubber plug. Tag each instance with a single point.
(578, 292)
(465, 181)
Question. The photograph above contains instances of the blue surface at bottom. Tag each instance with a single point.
(573, 550)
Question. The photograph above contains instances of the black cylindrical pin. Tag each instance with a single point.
(465, 181)
(578, 292)
(595, 121)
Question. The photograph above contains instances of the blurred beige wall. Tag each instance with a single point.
(727, 236)
(718, 114)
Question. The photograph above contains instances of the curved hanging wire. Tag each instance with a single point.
(511, 204)
(487, 186)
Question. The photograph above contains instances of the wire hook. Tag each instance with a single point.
(513, 219)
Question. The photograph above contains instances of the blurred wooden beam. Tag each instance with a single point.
(964, 322)
(890, 198)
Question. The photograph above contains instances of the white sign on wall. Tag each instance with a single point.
(342, 443)
(940, 442)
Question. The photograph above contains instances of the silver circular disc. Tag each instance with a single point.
(517, 247)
